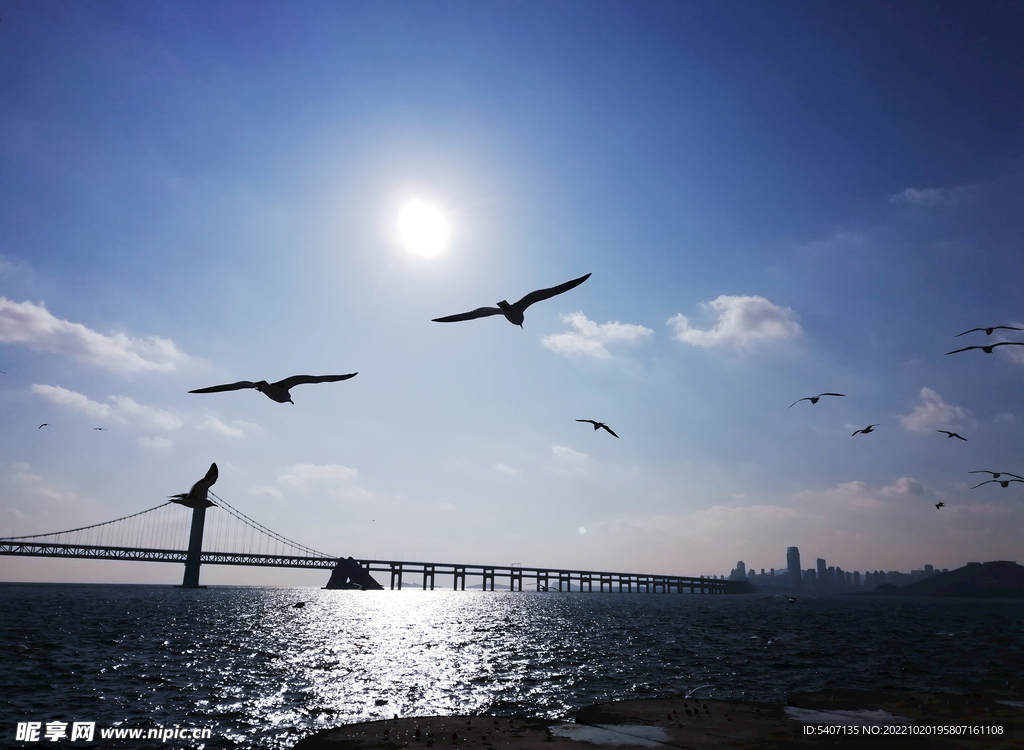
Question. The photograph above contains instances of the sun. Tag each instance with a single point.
(423, 229)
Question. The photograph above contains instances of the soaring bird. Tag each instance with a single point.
(198, 496)
(939, 505)
(277, 391)
(1004, 483)
(99, 428)
(44, 424)
(988, 331)
(989, 347)
(514, 313)
(866, 430)
(995, 474)
(598, 425)
(814, 399)
(953, 434)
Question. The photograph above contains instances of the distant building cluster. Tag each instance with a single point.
(825, 578)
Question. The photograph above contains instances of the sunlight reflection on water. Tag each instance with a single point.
(264, 673)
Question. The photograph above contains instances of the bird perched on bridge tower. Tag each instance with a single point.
(198, 496)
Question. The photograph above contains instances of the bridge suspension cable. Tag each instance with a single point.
(265, 531)
(85, 528)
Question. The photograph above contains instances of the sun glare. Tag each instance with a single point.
(423, 229)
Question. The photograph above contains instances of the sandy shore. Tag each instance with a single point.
(845, 718)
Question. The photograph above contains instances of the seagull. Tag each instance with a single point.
(814, 399)
(953, 434)
(44, 424)
(197, 497)
(99, 428)
(277, 391)
(939, 505)
(514, 313)
(598, 425)
(1004, 483)
(988, 331)
(866, 430)
(988, 348)
(690, 691)
(995, 474)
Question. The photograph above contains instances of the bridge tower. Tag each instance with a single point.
(195, 550)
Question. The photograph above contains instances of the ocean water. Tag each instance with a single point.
(259, 673)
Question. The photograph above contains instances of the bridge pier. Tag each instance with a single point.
(459, 576)
(428, 573)
(195, 550)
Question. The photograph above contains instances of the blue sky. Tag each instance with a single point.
(773, 199)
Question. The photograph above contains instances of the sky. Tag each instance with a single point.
(774, 200)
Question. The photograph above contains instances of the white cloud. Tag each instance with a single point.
(568, 454)
(34, 326)
(506, 470)
(858, 495)
(123, 409)
(237, 428)
(36, 485)
(270, 491)
(334, 479)
(588, 339)
(931, 196)
(742, 321)
(903, 487)
(933, 413)
(156, 443)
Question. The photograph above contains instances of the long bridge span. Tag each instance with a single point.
(159, 535)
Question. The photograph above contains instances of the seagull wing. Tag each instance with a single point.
(300, 379)
(1009, 328)
(830, 394)
(542, 294)
(805, 398)
(609, 430)
(964, 349)
(227, 387)
(979, 485)
(480, 312)
(204, 484)
(1012, 475)
(587, 420)
(1009, 343)
(970, 331)
(982, 471)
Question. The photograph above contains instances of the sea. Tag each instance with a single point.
(241, 667)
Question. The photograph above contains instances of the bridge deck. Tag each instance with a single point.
(544, 579)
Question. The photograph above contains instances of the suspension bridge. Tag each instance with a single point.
(174, 533)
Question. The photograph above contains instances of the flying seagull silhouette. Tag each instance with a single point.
(44, 424)
(598, 425)
(866, 430)
(988, 347)
(514, 313)
(953, 434)
(198, 496)
(939, 505)
(1004, 483)
(988, 331)
(99, 428)
(814, 399)
(995, 474)
(277, 391)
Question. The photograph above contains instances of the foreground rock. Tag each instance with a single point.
(844, 719)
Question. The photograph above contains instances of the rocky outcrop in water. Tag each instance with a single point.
(348, 574)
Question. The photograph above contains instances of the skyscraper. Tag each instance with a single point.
(793, 563)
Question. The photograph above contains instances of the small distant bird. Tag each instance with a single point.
(198, 496)
(988, 331)
(866, 430)
(953, 434)
(995, 474)
(598, 425)
(99, 428)
(814, 399)
(939, 505)
(989, 347)
(514, 313)
(44, 424)
(691, 691)
(277, 391)
(1004, 483)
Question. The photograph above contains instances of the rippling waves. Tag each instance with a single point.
(262, 674)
